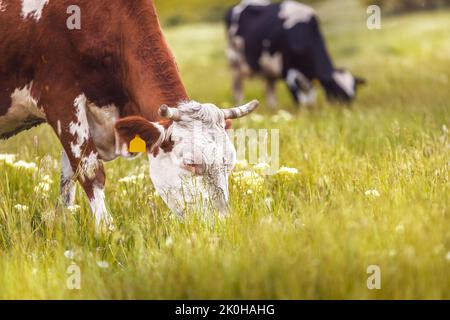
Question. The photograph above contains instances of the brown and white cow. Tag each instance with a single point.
(100, 86)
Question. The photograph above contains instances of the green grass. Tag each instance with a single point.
(320, 233)
(174, 12)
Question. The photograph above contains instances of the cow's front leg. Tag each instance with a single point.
(271, 94)
(238, 85)
(68, 184)
(81, 153)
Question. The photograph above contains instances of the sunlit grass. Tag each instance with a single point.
(372, 188)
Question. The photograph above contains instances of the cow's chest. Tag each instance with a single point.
(101, 122)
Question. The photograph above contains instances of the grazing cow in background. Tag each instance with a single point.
(283, 41)
(99, 87)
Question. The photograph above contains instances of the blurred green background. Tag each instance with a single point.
(373, 183)
(174, 12)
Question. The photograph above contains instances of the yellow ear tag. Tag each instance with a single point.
(137, 145)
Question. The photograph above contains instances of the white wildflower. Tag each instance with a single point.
(8, 158)
(69, 254)
(103, 264)
(400, 229)
(373, 193)
(447, 257)
(287, 171)
(249, 180)
(42, 186)
(129, 179)
(46, 178)
(169, 242)
(25, 165)
(73, 209)
(261, 167)
(282, 116)
(21, 208)
(241, 165)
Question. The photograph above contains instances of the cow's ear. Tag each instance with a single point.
(152, 133)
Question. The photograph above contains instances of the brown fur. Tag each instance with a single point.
(118, 57)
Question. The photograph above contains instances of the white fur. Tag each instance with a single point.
(272, 65)
(200, 138)
(346, 81)
(23, 107)
(237, 11)
(2, 6)
(294, 13)
(80, 128)
(33, 8)
(98, 207)
(307, 98)
(89, 165)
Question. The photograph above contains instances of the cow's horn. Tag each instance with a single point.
(239, 112)
(169, 113)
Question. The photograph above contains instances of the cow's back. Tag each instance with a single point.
(29, 44)
(278, 29)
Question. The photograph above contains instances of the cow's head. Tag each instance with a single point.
(343, 86)
(191, 155)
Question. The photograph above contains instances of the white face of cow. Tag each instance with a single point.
(343, 86)
(193, 173)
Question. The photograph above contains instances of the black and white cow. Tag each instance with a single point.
(283, 41)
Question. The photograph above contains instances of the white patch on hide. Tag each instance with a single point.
(24, 108)
(306, 93)
(294, 13)
(199, 138)
(2, 6)
(294, 75)
(33, 8)
(90, 165)
(308, 98)
(346, 82)
(272, 65)
(237, 11)
(80, 128)
(98, 208)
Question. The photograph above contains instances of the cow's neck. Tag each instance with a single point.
(152, 72)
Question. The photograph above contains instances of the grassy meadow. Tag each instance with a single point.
(372, 188)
